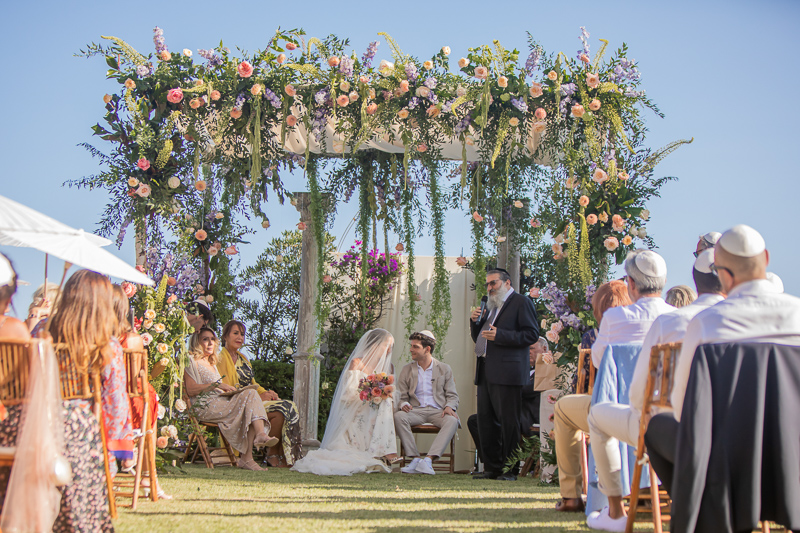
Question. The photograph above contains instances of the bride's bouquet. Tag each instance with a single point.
(375, 388)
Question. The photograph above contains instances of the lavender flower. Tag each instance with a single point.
(322, 96)
(369, 55)
(158, 40)
(411, 71)
(413, 103)
(533, 61)
(240, 100)
(585, 39)
(462, 125)
(272, 97)
(430, 83)
(346, 66)
(520, 104)
(213, 59)
(143, 71)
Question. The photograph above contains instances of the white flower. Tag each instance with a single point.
(288, 350)
(645, 214)
(160, 327)
(642, 233)
(187, 53)
(461, 91)
(180, 405)
(446, 50)
(146, 339)
(376, 400)
(544, 324)
(161, 411)
(173, 431)
(325, 386)
(165, 431)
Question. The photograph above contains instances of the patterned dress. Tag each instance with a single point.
(291, 440)
(116, 405)
(233, 414)
(84, 502)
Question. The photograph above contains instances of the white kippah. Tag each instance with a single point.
(651, 264)
(427, 334)
(704, 261)
(742, 241)
(776, 280)
(6, 272)
(711, 237)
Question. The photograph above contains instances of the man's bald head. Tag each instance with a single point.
(743, 268)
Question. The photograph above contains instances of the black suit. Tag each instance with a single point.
(531, 401)
(500, 376)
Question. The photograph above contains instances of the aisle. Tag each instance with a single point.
(280, 500)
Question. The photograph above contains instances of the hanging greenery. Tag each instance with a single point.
(440, 312)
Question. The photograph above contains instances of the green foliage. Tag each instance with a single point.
(440, 312)
(275, 375)
(528, 447)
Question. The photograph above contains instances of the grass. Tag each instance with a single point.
(226, 499)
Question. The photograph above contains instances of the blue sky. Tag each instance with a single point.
(722, 72)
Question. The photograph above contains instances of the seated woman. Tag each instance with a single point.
(284, 421)
(42, 303)
(10, 327)
(241, 417)
(86, 323)
(360, 434)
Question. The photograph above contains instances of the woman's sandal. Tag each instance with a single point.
(390, 462)
(267, 441)
(250, 465)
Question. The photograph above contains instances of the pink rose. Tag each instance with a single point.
(461, 261)
(290, 90)
(165, 55)
(536, 90)
(611, 244)
(399, 247)
(592, 80)
(342, 100)
(463, 62)
(302, 226)
(422, 148)
(281, 58)
(333, 61)
(215, 95)
(372, 108)
(599, 176)
(617, 220)
(172, 299)
(291, 121)
(327, 278)
(231, 250)
(200, 235)
(534, 292)
(245, 69)
(594, 105)
(175, 95)
(236, 113)
(552, 336)
(535, 223)
(143, 190)
(502, 81)
(583, 200)
(603, 217)
(291, 46)
(481, 72)
(200, 185)
(477, 217)
(162, 442)
(128, 288)
(353, 96)
(585, 58)
(591, 219)
(623, 175)
(404, 86)
(195, 103)
(363, 395)
(578, 110)
(143, 163)
(540, 113)
(551, 399)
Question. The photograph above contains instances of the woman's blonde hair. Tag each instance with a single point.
(196, 349)
(84, 319)
(121, 308)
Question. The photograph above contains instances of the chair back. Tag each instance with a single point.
(75, 382)
(15, 365)
(136, 369)
(584, 356)
(661, 378)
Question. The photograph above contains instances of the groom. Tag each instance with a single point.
(426, 395)
(503, 336)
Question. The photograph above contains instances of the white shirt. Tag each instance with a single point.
(628, 324)
(424, 390)
(669, 327)
(753, 312)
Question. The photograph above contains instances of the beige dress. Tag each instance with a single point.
(233, 414)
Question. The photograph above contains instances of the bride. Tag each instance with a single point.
(359, 436)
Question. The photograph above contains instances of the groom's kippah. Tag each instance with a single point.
(427, 334)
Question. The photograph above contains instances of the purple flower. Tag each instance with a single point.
(430, 83)
(272, 97)
(533, 61)
(158, 40)
(411, 71)
(213, 59)
(462, 125)
(413, 103)
(240, 100)
(369, 55)
(520, 104)
(143, 71)
(346, 66)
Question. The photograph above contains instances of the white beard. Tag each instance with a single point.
(496, 299)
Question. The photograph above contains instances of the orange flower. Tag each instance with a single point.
(200, 185)
(461, 261)
(281, 58)
(540, 113)
(291, 121)
(255, 90)
(502, 81)
(578, 110)
(302, 226)
(200, 235)
(422, 148)
(333, 61)
(623, 175)
(477, 217)
(376, 391)
(165, 56)
(372, 108)
(399, 247)
(290, 90)
(404, 86)
(433, 111)
(611, 244)
(130, 84)
(162, 442)
(107, 98)
(403, 113)
(342, 100)
(594, 105)
(236, 113)
(194, 103)
(390, 379)
(552, 76)
(513, 122)
(583, 200)
(215, 95)
(591, 219)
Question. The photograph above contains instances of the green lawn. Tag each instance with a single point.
(226, 499)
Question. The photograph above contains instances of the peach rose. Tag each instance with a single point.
(404, 86)
(213, 251)
(194, 103)
(423, 91)
(187, 52)
(371, 93)
(171, 282)
(611, 244)
(540, 113)
(583, 200)
(230, 250)
(265, 223)
(343, 100)
(344, 86)
(592, 80)
(623, 176)
(433, 111)
(552, 76)
(172, 299)
(539, 127)
(403, 113)
(594, 105)
(427, 65)
(281, 58)
(422, 148)
(215, 95)
(162, 442)
(591, 219)
(290, 90)
(130, 84)
(446, 50)
(481, 72)
(133, 182)
(245, 69)
(291, 121)
(327, 278)
(236, 113)
(536, 90)
(584, 58)
(255, 90)
(175, 95)
(463, 62)
(143, 163)
(128, 288)
(534, 292)
(302, 226)
(107, 98)
(552, 336)
(372, 108)
(200, 235)
(333, 61)
(461, 261)
(143, 190)
(603, 217)
(518, 204)
(200, 185)
(599, 176)
(570, 183)
(513, 122)
(400, 247)
(291, 46)
(626, 240)
(578, 110)
(535, 223)
(353, 96)
(165, 55)
(502, 81)
(477, 217)
(208, 298)
(162, 348)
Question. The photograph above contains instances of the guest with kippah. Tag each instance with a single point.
(707, 241)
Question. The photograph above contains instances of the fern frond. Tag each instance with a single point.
(308, 70)
(163, 155)
(599, 55)
(396, 52)
(127, 50)
(657, 157)
(608, 87)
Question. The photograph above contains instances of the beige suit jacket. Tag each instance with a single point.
(444, 386)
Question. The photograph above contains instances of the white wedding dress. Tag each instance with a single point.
(356, 434)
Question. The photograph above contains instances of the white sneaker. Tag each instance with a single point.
(425, 467)
(601, 520)
(412, 466)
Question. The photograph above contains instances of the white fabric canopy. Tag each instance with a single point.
(26, 227)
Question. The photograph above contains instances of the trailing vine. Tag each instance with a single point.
(412, 308)
(440, 312)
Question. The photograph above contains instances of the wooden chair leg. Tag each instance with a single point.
(453, 455)
(655, 501)
(112, 500)
(150, 446)
(187, 455)
(635, 482)
(584, 465)
(203, 447)
(228, 448)
(403, 455)
(764, 527)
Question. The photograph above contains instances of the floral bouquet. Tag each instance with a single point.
(375, 388)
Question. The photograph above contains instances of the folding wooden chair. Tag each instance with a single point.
(657, 392)
(84, 384)
(447, 461)
(201, 446)
(129, 485)
(531, 461)
(584, 355)
(14, 378)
